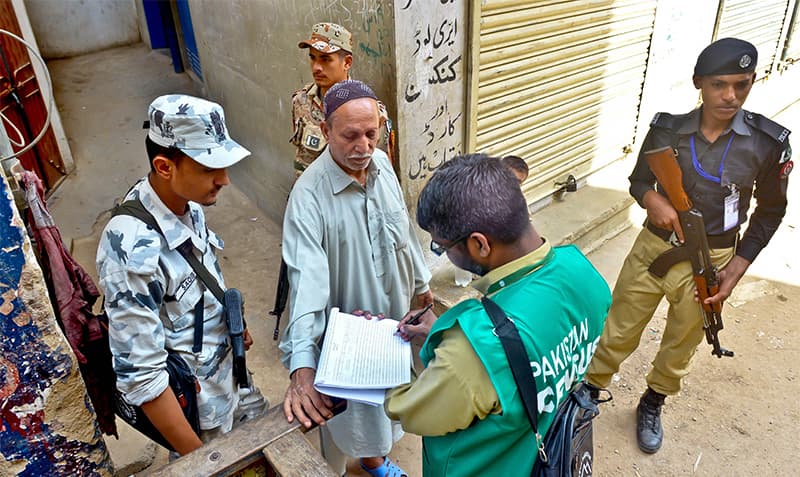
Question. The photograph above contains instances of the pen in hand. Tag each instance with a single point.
(414, 320)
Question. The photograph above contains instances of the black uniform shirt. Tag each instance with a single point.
(758, 152)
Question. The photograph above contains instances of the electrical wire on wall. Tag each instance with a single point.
(16, 130)
(48, 106)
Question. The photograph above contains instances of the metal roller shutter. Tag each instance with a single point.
(757, 21)
(559, 84)
(792, 51)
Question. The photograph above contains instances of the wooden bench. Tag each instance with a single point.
(268, 443)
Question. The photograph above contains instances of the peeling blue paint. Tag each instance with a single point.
(28, 367)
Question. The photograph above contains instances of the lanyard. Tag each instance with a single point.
(513, 277)
(700, 169)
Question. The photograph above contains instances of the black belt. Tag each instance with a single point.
(726, 240)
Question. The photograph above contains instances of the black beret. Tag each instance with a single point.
(727, 56)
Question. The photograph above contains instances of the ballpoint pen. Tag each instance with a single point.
(415, 318)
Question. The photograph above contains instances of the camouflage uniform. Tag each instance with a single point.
(150, 296)
(151, 290)
(307, 111)
(306, 132)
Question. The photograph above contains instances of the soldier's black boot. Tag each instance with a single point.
(649, 433)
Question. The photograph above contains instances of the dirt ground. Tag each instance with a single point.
(735, 416)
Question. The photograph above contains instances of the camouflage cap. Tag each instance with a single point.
(329, 38)
(196, 127)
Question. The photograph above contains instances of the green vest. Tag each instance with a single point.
(559, 307)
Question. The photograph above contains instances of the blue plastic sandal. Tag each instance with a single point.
(387, 469)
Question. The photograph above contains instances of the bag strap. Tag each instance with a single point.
(202, 272)
(136, 209)
(519, 362)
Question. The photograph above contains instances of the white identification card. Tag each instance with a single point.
(731, 209)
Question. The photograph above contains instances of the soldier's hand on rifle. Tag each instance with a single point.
(728, 278)
(304, 402)
(661, 213)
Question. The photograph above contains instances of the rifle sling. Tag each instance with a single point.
(666, 260)
(210, 283)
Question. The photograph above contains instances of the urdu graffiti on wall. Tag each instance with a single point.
(428, 48)
(377, 42)
(367, 21)
(446, 33)
(408, 3)
(430, 80)
(441, 127)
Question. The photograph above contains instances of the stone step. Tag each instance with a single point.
(599, 210)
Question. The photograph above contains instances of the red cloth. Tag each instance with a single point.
(73, 294)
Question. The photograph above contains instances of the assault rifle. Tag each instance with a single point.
(664, 164)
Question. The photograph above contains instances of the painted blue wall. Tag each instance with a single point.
(33, 443)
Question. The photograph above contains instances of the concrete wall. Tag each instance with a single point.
(431, 61)
(141, 21)
(682, 29)
(66, 28)
(251, 65)
(38, 68)
(47, 426)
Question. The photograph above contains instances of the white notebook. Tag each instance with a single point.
(362, 358)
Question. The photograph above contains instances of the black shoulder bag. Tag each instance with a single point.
(181, 378)
(567, 450)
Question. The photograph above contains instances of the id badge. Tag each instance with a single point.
(731, 209)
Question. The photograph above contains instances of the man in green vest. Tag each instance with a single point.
(465, 402)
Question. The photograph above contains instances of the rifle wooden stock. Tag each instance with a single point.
(664, 165)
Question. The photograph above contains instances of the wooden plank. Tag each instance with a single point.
(239, 448)
(293, 456)
(232, 451)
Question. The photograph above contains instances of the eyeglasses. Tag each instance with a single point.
(441, 249)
